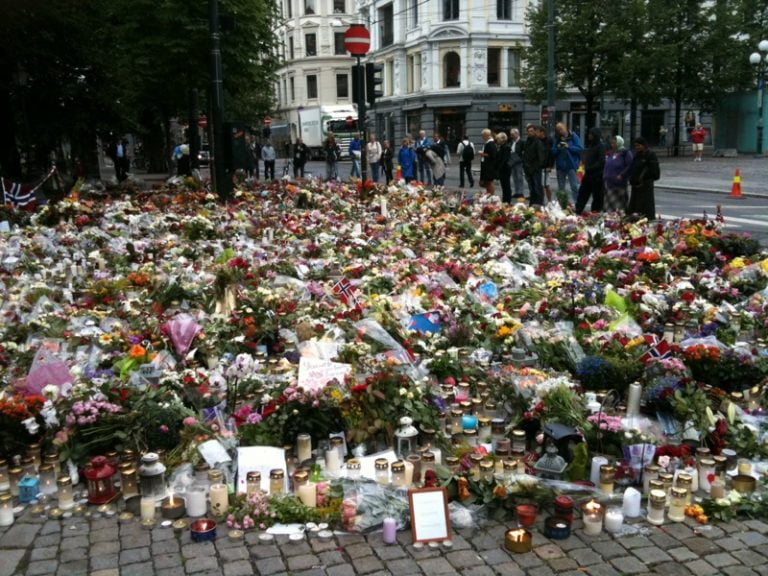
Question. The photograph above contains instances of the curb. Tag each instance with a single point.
(687, 190)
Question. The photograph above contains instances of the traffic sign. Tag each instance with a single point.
(357, 40)
(202, 122)
(267, 121)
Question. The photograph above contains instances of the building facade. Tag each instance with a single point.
(449, 66)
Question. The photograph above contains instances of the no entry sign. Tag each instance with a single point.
(357, 40)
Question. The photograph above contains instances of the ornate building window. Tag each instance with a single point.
(451, 70)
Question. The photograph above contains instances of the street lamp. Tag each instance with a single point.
(760, 61)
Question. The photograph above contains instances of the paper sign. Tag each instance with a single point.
(429, 515)
(314, 374)
(261, 459)
(213, 453)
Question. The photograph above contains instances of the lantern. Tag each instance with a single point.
(406, 435)
(152, 477)
(551, 465)
(100, 477)
(29, 488)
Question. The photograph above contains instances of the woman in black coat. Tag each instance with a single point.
(592, 182)
(504, 151)
(643, 173)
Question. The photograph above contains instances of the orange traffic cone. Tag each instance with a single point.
(580, 172)
(736, 186)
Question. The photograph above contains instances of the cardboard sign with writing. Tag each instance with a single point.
(315, 374)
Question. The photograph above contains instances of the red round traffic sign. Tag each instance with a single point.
(202, 122)
(267, 121)
(357, 40)
(349, 121)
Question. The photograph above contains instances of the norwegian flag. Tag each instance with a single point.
(345, 291)
(19, 195)
(661, 351)
(651, 339)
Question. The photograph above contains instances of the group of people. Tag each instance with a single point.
(610, 170)
(379, 156)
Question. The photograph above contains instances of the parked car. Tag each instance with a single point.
(204, 155)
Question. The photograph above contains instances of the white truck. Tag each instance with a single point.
(316, 122)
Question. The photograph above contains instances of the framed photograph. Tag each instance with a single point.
(430, 521)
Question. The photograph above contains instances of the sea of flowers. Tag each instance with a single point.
(161, 319)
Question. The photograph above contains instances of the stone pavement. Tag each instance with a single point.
(105, 547)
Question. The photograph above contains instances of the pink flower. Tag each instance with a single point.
(189, 421)
(164, 429)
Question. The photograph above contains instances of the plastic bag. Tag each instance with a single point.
(366, 503)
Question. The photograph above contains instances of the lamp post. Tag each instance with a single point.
(760, 61)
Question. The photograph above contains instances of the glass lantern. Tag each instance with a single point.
(551, 465)
(29, 488)
(152, 477)
(129, 482)
(100, 478)
(406, 437)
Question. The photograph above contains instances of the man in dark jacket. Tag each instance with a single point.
(592, 182)
(644, 172)
(534, 162)
(566, 150)
(300, 157)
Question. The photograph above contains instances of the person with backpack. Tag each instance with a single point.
(466, 152)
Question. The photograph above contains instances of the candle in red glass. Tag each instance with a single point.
(526, 515)
(99, 475)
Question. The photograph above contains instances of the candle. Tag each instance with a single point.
(6, 509)
(717, 490)
(593, 518)
(631, 504)
(383, 204)
(304, 447)
(66, 497)
(633, 401)
(526, 515)
(408, 480)
(308, 494)
(706, 474)
(332, 461)
(173, 507)
(389, 531)
(607, 476)
(614, 518)
(657, 500)
(594, 474)
(147, 508)
(276, 482)
(220, 499)
(518, 540)
(744, 467)
(197, 504)
(678, 504)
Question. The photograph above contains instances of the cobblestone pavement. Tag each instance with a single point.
(104, 547)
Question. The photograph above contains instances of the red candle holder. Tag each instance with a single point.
(100, 477)
(526, 515)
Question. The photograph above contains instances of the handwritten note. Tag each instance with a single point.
(315, 374)
(429, 514)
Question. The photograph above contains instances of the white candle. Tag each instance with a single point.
(219, 499)
(147, 507)
(594, 473)
(633, 402)
(614, 518)
(631, 503)
(593, 524)
(384, 209)
(308, 494)
(408, 473)
(304, 447)
(197, 503)
(6, 510)
(332, 461)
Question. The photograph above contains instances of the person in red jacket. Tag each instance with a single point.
(697, 142)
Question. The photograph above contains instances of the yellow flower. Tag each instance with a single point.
(737, 262)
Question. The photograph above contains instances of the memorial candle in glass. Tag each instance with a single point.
(614, 519)
(6, 509)
(657, 500)
(65, 495)
(592, 515)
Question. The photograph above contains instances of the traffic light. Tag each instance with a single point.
(356, 82)
(374, 78)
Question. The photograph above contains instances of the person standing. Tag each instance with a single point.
(503, 156)
(466, 153)
(618, 163)
(300, 157)
(592, 182)
(643, 173)
(387, 160)
(406, 157)
(268, 156)
(332, 153)
(355, 153)
(662, 135)
(534, 163)
(516, 161)
(422, 145)
(566, 151)
(373, 154)
(489, 170)
(698, 135)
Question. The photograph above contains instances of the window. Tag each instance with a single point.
(450, 9)
(293, 89)
(386, 25)
(413, 13)
(310, 44)
(291, 48)
(411, 74)
(494, 66)
(289, 8)
(451, 70)
(389, 77)
(339, 7)
(312, 87)
(309, 7)
(513, 67)
(504, 9)
(342, 86)
(338, 43)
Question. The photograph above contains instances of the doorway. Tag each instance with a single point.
(450, 124)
